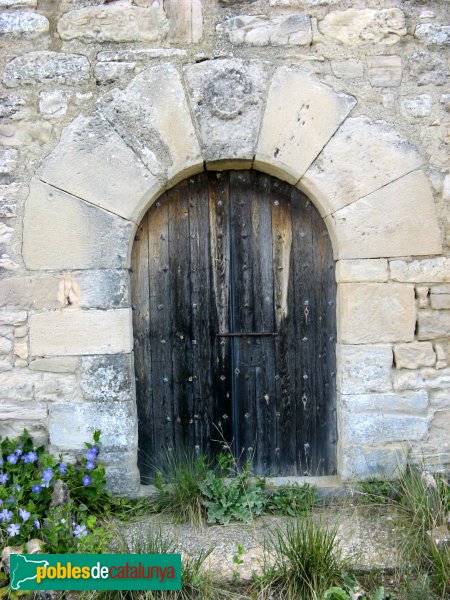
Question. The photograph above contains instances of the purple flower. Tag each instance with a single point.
(1, 460)
(6, 515)
(90, 466)
(1, 502)
(87, 480)
(16, 487)
(3, 477)
(37, 524)
(47, 476)
(80, 531)
(91, 453)
(36, 489)
(24, 514)
(12, 458)
(30, 457)
(18, 452)
(62, 469)
(13, 530)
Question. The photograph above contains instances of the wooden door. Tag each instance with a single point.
(233, 296)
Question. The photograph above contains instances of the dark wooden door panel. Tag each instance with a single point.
(235, 253)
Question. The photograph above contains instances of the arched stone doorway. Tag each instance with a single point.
(233, 293)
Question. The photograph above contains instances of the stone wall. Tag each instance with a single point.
(104, 105)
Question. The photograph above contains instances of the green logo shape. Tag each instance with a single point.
(95, 572)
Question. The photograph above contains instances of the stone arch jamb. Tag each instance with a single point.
(93, 189)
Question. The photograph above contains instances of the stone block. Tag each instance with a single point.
(369, 462)
(46, 67)
(439, 399)
(417, 106)
(301, 116)
(94, 163)
(440, 289)
(440, 301)
(38, 430)
(12, 317)
(429, 379)
(23, 24)
(139, 55)
(5, 365)
(114, 23)
(347, 69)
(108, 378)
(78, 235)
(384, 71)
(99, 288)
(412, 403)
(15, 386)
(357, 26)
(433, 324)
(6, 234)
(21, 350)
(29, 292)
(18, 3)
(375, 429)
(109, 72)
(299, 3)
(360, 145)
(8, 160)
(362, 368)
(227, 101)
(6, 345)
(262, 30)
(55, 364)
(51, 387)
(78, 332)
(361, 229)
(153, 118)
(427, 69)
(433, 34)
(414, 355)
(185, 20)
(23, 411)
(370, 313)
(427, 270)
(53, 104)
(354, 271)
(70, 425)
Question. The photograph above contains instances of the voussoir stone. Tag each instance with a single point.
(356, 26)
(114, 23)
(47, 67)
(427, 270)
(362, 369)
(23, 23)
(414, 355)
(78, 235)
(227, 101)
(93, 162)
(300, 117)
(375, 313)
(361, 229)
(79, 332)
(151, 114)
(261, 30)
(360, 145)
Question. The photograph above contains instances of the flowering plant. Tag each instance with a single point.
(27, 479)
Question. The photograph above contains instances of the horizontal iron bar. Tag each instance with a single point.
(248, 334)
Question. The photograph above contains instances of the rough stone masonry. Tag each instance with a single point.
(104, 105)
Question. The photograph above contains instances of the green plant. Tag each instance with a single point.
(292, 500)
(302, 561)
(239, 498)
(378, 492)
(178, 486)
(338, 593)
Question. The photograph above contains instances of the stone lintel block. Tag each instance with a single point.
(414, 355)
(360, 145)
(405, 403)
(94, 163)
(362, 230)
(55, 364)
(384, 71)
(370, 313)
(300, 117)
(226, 98)
(77, 234)
(78, 332)
(114, 23)
(434, 324)
(440, 301)
(377, 428)
(354, 271)
(71, 425)
(372, 462)
(427, 270)
(151, 114)
(363, 368)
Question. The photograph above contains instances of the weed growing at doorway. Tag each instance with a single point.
(292, 500)
(302, 561)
